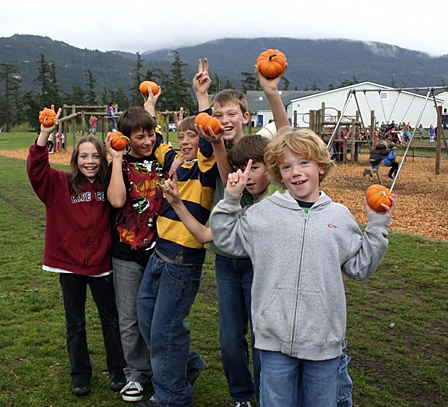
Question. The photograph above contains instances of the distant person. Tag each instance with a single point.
(432, 133)
(389, 161)
(111, 115)
(421, 131)
(63, 141)
(50, 143)
(78, 248)
(92, 122)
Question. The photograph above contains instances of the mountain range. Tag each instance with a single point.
(320, 63)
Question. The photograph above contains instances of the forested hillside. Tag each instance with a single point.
(322, 63)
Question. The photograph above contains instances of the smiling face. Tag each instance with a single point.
(233, 119)
(189, 144)
(258, 181)
(89, 161)
(300, 176)
(142, 143)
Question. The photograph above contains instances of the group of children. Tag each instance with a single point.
(385, 154)
(269, 221)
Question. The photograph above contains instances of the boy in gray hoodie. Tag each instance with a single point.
(300, 243)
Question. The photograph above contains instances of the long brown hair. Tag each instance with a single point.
(75, 176)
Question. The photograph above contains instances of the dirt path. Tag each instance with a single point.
(422, 196)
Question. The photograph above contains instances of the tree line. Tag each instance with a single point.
(16, 109)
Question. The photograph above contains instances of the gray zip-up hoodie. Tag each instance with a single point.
(298, 296)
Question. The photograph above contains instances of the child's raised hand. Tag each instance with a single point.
(269, 85)
(210, 136)
(387, 211)
(236, 181)
(150, 101)
(49, 130)
(170, 189)
(178, 117)
(201, 81)
(113, 153)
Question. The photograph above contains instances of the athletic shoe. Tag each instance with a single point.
(242, 404)
(133, 391)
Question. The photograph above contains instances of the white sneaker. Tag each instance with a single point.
(133, 391)
(242, 404)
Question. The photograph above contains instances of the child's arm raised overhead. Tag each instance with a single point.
(200, 232)
(270, 89)
(116, 192)
(150, 101)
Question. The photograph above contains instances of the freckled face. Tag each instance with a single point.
(301, 177)
(89, 162)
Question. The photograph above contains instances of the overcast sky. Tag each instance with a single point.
(149, 25)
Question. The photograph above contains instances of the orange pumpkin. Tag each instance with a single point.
(118, 140)
(271, 63)
(47, 117)
(143, 88)
(377, 195)
(205, 120)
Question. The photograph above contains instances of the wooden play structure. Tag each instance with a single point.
(71, 114)
(344, 135)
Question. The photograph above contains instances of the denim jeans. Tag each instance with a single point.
(127, 278)
(234, 282)
(164, 301)
(74, 292)
(345, 384)
(288, 381)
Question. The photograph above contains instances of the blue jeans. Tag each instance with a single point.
(288, 381)
(127, 278)
(164, 301)
(234, 282)
(345, 384)
(74, 290)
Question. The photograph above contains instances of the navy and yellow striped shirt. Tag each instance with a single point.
(196, 183)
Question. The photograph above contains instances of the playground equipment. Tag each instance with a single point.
(71, 113)
(430, 93)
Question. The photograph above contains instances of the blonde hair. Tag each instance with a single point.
(303, 143)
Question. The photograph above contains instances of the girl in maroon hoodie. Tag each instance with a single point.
(78, 248)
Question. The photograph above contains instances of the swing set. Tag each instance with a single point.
(430, 94)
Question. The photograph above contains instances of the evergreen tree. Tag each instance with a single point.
(178, 91)
(91, 99)
(10, 75)
(250, 82)
(136, 97)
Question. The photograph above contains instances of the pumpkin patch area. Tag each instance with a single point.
(422, 196)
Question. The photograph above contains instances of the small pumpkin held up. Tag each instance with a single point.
(205, 120)
(143, 88)
(47, 117)
(377, 195)
(118, 140)
(271, 63)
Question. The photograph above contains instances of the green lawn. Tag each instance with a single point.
(397, 319)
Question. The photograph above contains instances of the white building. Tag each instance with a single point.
(389, 104)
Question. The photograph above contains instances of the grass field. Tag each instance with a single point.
(397, 319)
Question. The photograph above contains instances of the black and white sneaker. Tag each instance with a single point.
(133, 391)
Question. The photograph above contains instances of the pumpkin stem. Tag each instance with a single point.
(271, 57)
